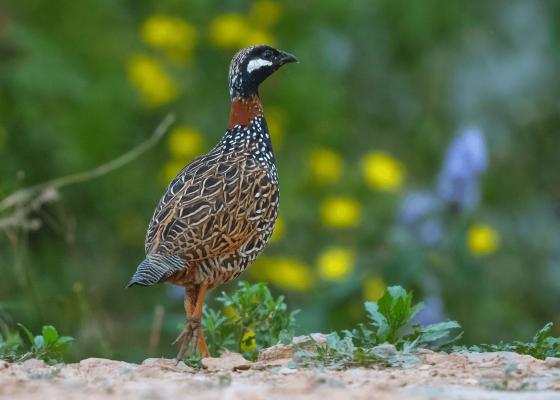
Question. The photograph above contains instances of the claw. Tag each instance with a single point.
(189, 332)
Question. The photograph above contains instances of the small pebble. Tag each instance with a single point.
(552, 362)
(357, 373)
(33, 364)
(287, 371)
(259, 366)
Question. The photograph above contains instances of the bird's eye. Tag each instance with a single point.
(268, 54)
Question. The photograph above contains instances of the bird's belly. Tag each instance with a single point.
(219, 270)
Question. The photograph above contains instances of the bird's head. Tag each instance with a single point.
(252, 65)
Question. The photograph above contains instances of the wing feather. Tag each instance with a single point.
(214, 207)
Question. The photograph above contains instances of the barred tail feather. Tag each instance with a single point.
(156, 268)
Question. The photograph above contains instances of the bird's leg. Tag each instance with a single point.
(186, 334)
(201, 341)
(192, 328)
(202, 347)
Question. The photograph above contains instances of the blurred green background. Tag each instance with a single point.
(417, 144)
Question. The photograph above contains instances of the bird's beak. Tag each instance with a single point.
(286, 58)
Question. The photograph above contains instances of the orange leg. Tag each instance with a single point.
(190, 310)
(194, 300)
(198, 315)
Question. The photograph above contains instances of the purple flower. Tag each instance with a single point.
(430, 232)
(466, 159)
(418, 205)
(419, 214)
(432, 311)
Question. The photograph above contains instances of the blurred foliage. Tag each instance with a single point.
(383, 179)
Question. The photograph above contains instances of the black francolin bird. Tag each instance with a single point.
(219, 211)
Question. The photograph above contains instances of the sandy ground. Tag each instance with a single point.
(436, 376)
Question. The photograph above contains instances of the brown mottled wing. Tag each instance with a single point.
(213, 207)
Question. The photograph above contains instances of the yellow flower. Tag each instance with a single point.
(171, 169)
(229, 30)
(232, 31)
(373, 288)
(185, 143)
(265, 13)
(173, 35)
(249, 341)
(229, 311)
(325, 165)
(279, 230)
(147, 75)
(336, 263)
(285, 272)
(257, 36)
(482, 240)
(340, 212)
(382, 171)
(276, 121)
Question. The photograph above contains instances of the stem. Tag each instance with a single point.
(23, 195)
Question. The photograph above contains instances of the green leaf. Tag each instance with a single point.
(396, 292)
(285, 337)
(437, 335)
(65, 340)
(28, 334)
(542, 334)
(434, 332)
(50, 335)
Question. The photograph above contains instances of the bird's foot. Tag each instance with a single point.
(188, 335)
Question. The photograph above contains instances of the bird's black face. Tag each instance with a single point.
(252, 65)
(262, 61)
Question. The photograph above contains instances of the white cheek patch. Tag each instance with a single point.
(256, 64)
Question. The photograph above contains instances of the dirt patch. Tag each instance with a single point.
(436, 376)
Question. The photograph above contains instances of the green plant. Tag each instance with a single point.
(250, 319)
(389, 322)
(218, 336)
(541, 346)
(338, 352)
(10, 346)
(49, 346)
